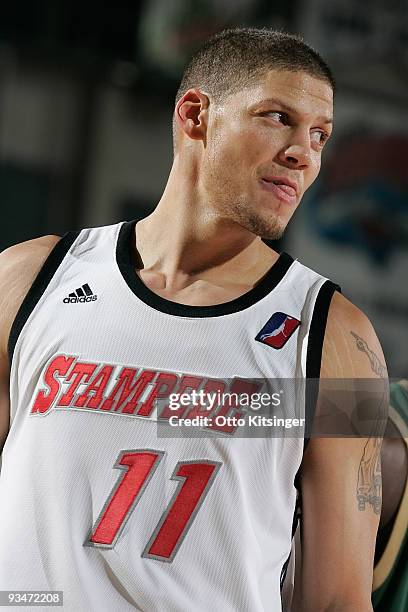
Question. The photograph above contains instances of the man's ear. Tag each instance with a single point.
(191, 114)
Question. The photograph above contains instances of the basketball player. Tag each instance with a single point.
(101, 327)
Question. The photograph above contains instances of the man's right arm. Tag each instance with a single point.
(19, 265)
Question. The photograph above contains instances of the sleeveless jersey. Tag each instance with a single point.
(96, 499)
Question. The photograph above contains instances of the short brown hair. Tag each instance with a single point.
(236, 58)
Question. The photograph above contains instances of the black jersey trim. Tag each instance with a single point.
(283, 573)
(314, 357)
(127, 263)
(295, 522)
(315, 349)
(318, 328)
(38, 287)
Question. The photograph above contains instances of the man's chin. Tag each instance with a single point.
(274, 235)
(261, 223)
(269, 229)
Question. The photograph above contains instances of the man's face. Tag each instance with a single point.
(264, 147)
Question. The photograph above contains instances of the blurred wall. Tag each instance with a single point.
(131, 157)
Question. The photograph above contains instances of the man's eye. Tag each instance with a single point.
(277, 115)
(320, 137)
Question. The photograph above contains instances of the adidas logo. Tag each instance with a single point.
(82, 294)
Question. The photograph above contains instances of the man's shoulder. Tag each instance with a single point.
(29, 247)
(19, 266)
(345, 311)
(312, 275)
(21, 262)
(343, 315)
(351, 346)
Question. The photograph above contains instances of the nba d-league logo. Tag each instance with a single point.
(278, 329)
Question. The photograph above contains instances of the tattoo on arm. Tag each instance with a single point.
(369, 484)
(375, 363)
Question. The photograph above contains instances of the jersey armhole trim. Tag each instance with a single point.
(41, 282)
(315, 350)
(314, 357)
(295, 523)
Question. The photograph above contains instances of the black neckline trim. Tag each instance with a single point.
(125, 258)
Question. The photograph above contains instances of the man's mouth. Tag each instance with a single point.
(284, 189)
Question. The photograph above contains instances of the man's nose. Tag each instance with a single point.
(297, 152)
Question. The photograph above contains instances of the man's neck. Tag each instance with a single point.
(171, 258)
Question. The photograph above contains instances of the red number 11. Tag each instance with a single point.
(194, 481)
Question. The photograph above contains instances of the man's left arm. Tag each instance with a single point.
(340, 477)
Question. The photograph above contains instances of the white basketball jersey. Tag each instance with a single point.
(100, 496)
